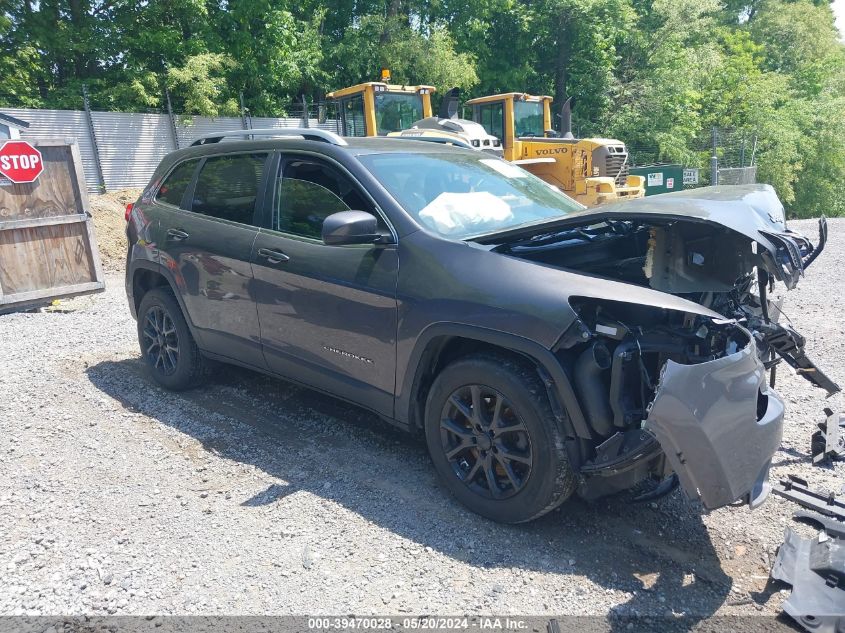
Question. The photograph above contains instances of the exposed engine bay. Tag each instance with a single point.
(713, 266)
(662, 390)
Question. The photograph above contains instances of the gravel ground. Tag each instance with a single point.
(251, 496)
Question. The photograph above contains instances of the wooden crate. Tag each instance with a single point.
(47, 244)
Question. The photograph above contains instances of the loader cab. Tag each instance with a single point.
(377, 108)
(591, 170)
(513, 116)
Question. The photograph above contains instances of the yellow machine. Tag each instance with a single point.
(591, 170)
(377, 108)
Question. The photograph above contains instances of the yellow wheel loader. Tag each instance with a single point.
(376, 108)
(591, 170)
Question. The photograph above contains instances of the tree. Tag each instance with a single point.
(275, 56)
(18, 67)
(200, 85)
(658, 99)
(413, 57)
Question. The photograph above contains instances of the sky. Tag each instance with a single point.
(839, 12)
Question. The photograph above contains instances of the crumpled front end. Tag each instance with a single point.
(678, 393)
(670, 397)
(719, 424)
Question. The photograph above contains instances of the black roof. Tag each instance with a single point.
(5, 118)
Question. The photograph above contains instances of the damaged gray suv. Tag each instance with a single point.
(541, 348)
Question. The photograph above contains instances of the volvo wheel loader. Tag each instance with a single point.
(591, 170)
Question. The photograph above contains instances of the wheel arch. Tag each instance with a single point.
(442, 343)
(148, 275)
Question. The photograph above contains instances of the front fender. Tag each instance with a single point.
(554, 375)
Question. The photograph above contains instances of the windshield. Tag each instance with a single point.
(396, 112)
(528, 118)
(463, 194)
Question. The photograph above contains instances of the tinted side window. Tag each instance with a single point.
(174, 186)
(227, 187)
(304, 207)
(352, 111)
(308, 192)
(492, 118)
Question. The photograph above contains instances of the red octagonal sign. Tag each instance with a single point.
(20, 162)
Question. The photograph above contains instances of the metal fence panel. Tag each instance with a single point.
(188, 129)
(131, 146)
(53, 124)
(737, 175)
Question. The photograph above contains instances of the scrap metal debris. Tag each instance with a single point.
(828, 443)
(815, 568)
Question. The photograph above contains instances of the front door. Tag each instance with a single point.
(328, 313)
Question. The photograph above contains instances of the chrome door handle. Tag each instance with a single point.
(176, 235)
(272, 256)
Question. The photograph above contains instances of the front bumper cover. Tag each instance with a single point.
(719, 425)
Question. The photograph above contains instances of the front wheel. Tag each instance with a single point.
(494, 440)
(166, 343)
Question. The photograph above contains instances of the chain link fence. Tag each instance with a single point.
(724, 156)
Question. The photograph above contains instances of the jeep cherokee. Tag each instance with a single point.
(541, 349)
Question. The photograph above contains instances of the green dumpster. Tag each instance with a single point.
(660, 178)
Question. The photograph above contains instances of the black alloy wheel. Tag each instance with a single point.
(160, 340)
(486, 441)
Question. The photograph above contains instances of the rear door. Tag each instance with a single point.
(328, 313)
(207, 243)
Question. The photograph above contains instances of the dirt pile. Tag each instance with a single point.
(110, 227)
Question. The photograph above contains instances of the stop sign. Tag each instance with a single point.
(20, 162)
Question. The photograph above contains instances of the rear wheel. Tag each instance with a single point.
(166, 343)
(494, 440)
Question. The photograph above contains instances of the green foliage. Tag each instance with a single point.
(661, 102)
(277, 55)
(657, 74)
(796, 105)
(819, 187)
(18, 68)
(200, 85)
(413, 57)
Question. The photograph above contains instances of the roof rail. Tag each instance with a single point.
(311, 134)
(457, 142)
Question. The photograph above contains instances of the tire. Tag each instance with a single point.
(525, 427)
(178, 365)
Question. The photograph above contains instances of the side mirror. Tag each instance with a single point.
(350, 227)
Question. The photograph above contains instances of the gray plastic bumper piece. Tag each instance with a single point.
(706, 419)
(816, 570)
